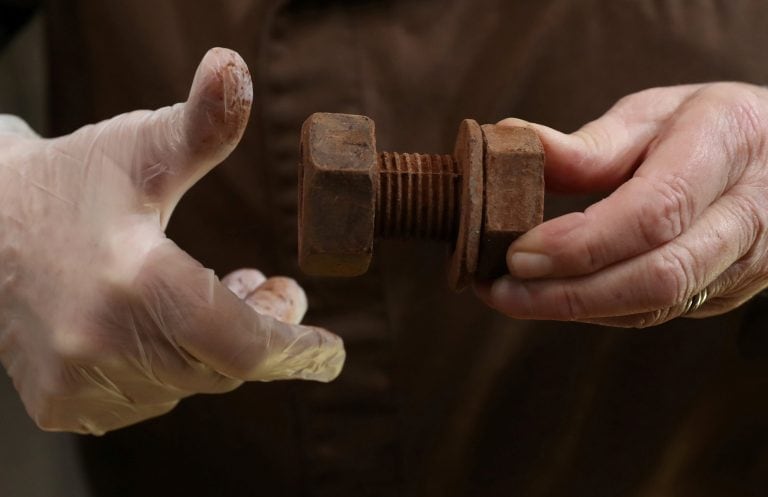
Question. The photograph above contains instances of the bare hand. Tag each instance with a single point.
(689, 212)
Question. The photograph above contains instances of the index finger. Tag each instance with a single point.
(199, 314)
(697, 157)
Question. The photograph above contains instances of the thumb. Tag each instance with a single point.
(605, 152)
(178, 145)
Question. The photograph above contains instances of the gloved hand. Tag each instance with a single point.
(688, 218)
(104, 321)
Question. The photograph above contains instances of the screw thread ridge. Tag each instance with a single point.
(418, 196)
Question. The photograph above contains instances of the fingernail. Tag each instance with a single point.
(499, 290)
(529, 265)
(321, 365)
(514, 121)
(510, 296)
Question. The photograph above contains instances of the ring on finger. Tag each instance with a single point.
(695, 302)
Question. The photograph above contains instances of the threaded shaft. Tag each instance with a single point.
(418, 196)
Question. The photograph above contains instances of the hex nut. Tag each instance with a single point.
(514, 193)
(337, 194)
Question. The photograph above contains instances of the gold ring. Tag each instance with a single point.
(695, 302)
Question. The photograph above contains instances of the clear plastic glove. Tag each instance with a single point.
(104, 321)
(685, 230)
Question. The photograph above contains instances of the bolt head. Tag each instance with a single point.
(337, 194)
(514, 193)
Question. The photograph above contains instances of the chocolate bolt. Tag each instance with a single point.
(489, 192)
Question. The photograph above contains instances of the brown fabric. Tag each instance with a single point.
(439, 396)
(13, 15)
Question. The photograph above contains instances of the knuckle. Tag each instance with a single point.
(253, 357)
(670, 279)
(596, 140)
(670, 212)
(594, 256)
(743, 115)
(628, 104)
(753, 223)
(242, 364)
(593, 252)
(647, 103)
(80, 344)
(573, 305)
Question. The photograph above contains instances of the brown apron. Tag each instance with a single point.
(440, 396)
